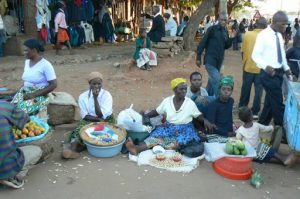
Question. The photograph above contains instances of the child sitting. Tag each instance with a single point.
(144, 57)
(219, 112)
(249, 132)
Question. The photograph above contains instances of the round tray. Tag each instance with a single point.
(234, 168)
(119, 131)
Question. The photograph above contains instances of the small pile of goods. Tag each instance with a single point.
(103, 139)
(166, 159)
(33, 130)
(235, 147)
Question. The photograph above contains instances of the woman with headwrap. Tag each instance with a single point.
(178, 130)
(219, 112)
(39, 80)
(95, 106)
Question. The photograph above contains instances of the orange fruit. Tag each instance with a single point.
(23, 136)
(25, 131)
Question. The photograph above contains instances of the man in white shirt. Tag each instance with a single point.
(171, 25)
(269, 55)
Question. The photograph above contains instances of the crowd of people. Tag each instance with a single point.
(193, 114)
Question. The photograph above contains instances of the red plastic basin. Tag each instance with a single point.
(234, 168)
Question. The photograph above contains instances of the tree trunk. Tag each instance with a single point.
(29, 18)
(223, 6)
(189, 34)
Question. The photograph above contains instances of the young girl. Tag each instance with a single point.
(144, 57)
(249, 132)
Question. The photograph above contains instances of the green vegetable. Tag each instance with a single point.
(240, 145)
(236, 151)
(229, 148)
(244, 152)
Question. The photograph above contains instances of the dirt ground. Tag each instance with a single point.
(89, 177)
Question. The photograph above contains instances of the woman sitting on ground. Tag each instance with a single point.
(39, 80)
(178, 130)
(219, 112)
(144, 57)
(95, 106)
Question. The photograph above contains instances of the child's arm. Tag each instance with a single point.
(265, 129)
(238, 136)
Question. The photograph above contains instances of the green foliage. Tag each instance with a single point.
(242, 4)
(189, 3)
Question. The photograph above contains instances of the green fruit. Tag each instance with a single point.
(244, 152)
(229, 148)
(236, 151)
(240, 145)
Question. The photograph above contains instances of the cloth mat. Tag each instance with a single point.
(144, 158)
(215, 151)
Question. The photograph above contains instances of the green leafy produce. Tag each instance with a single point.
(229, 148)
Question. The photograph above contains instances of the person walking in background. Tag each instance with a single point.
(208, 23)
(215, 41)
(61, 28)
(242, 28)
(250, 69)
(293, 57)
(269, 55)
(235, 42)
(182, 26)
(287, 35)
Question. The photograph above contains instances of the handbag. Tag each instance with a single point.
(192, 149)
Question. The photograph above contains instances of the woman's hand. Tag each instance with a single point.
(29, 96)
(95, 92)
(208, 126)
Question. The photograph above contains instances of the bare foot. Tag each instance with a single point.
(131, 147)
(291, 160)
(67, 153)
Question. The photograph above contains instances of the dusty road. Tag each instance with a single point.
(116, 177)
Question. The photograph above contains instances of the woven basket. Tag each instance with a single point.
(117, 130)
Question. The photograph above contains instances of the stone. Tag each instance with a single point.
(60, 114)
(163, 45)
(172, 38)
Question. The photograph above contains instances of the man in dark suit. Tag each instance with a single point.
(158, 26)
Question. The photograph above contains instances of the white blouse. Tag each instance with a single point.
(87, 104)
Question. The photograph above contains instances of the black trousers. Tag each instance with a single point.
(248, 80)
(273, 105)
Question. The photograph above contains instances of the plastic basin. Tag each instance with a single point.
(104, 151)
(234, 168)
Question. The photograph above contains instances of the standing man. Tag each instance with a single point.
(242, 28)
(158, 26)
(250, 69)
(215, 41)
(269, 55)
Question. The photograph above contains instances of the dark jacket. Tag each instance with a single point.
(215, 41)
(158, 29)
(293, 53)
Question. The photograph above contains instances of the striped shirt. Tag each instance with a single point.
(11, 158)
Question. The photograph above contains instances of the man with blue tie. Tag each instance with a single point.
(269, 55)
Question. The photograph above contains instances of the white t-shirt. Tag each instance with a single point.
(251, 135)
(184, 115)
(39, 74)
(87, 105)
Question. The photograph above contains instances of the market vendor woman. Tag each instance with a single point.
(95, 106)
(39, 80)
(179, 129)
(14, 161)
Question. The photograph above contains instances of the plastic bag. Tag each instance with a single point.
(131, 120)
